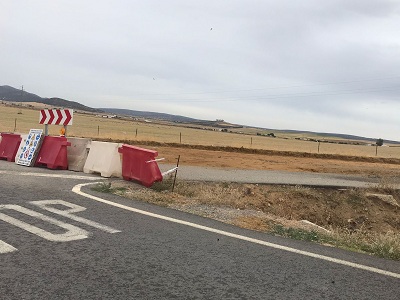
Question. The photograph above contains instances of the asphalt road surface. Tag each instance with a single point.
(275, 177)
(61, 240)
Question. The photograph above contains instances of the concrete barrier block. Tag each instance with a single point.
(77, 153)
(104, 158)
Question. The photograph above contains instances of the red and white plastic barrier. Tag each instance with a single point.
(140, 165)
(108, 159)
(53, 153)
(9, 145)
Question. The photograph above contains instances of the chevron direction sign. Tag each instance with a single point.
(56, 116)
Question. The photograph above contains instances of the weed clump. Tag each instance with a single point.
(301, 234)
(106, 187)
(385, 245)
(161, 186)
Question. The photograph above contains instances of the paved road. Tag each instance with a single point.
(273, 177)
(56, 243)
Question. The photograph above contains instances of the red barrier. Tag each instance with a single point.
(9, 146)
(138, 164)
(53, 153)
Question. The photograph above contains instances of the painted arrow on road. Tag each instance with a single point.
(56, 116)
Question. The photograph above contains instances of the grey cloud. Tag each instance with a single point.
(262, 60)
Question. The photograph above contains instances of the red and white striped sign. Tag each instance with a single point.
(56, 116)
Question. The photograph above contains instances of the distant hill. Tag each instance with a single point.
(169, 117)
(8, 93)
(149, 115)
(339, 136)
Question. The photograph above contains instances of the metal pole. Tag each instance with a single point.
(15, 124)
(46, 130)
(176, 171)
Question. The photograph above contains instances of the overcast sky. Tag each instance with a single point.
(325, 66)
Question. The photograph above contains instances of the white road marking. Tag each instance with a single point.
(69, 213)
(77, 189)
(66, 176)
(6, 248)
(73, 233)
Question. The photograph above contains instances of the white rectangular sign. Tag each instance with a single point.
(30, 148)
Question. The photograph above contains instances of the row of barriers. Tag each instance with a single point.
(80, 154)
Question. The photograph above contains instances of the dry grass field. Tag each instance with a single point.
(96, 127)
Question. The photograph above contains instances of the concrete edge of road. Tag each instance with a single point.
(77, 190)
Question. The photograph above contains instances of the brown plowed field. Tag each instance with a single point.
(295, 162)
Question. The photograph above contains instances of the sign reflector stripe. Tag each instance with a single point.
(51, 112)
(59, 119)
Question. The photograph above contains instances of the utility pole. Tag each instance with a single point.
(22, 99)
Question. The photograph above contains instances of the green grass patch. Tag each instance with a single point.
(161, 186)
(106, 187)
(301, 234)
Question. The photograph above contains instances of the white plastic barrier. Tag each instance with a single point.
(77, 153)
(104, 158)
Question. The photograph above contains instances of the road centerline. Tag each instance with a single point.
(77, 189)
